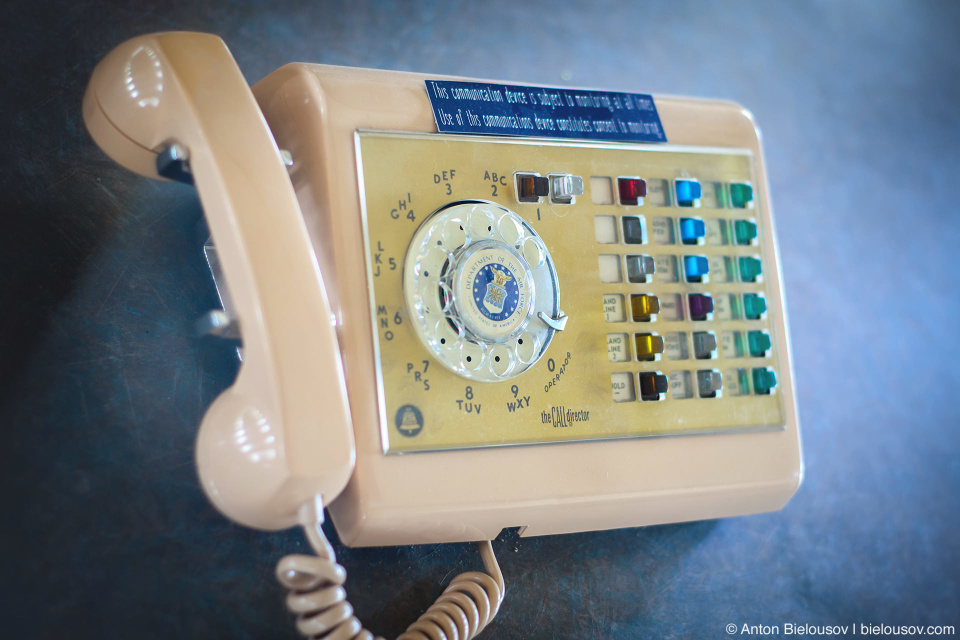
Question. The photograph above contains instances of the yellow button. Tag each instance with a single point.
(644, 306)
(648, 346)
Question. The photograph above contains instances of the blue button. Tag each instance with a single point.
(691, 230)
(687, 192)
(695, 267)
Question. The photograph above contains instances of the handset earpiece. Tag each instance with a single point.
(281, 433)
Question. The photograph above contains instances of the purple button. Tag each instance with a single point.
(700, 306)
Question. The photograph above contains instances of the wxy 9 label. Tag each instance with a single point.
(516, 110)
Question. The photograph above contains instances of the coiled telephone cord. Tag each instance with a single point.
(317, 595)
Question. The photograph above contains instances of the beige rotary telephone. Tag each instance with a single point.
(447, 333)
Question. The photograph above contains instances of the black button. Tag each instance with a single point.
(652, 385)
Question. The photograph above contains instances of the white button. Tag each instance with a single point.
(622, 385)
(613, 309)
(722, 309)
(720, 268)
(671, 306)
(681, 384)
(605, 229)
(712, 194)
(675, 345)
(666, 268)
(658, 192)
(737, 382)
(731, 344)
(715, 231)
(617, 347)
(610, 269)
(662, 232)
(601, 190)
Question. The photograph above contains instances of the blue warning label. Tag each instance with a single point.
(516, 110)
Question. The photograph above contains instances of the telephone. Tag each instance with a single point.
(446, 333)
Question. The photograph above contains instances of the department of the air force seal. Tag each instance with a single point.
(495, 290)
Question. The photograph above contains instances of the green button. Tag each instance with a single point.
(754, 306)
(741, 195)
(744, 231)
(749, 269)
(763, 381)
(759, 343)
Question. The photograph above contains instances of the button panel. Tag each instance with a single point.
(660, 309)
(717, 279)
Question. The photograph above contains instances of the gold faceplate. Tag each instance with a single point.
(567, 395)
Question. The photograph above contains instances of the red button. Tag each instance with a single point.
(631, 190)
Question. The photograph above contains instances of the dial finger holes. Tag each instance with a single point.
(533, 252)
(471, 356)
(482, 222)
(454, 234)
(425, 307)
(474, 278)
(447, 333)
(445, 297)
(501, 361)
(510, 230)
(432, 263)
(527, 348)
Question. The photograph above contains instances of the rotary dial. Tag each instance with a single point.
(482, 290)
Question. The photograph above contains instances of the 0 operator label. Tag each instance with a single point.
(516, 110)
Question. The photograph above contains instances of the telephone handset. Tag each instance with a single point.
(501, 325)
(260, 450)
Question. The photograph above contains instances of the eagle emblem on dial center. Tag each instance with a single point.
(495, 290)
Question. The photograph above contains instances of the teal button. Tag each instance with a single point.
(754, 306)
(763, 381)
(744, 231)
(749, 269)
(758, 342)
(741, 195)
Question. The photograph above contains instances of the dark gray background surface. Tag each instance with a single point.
(105, 531)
